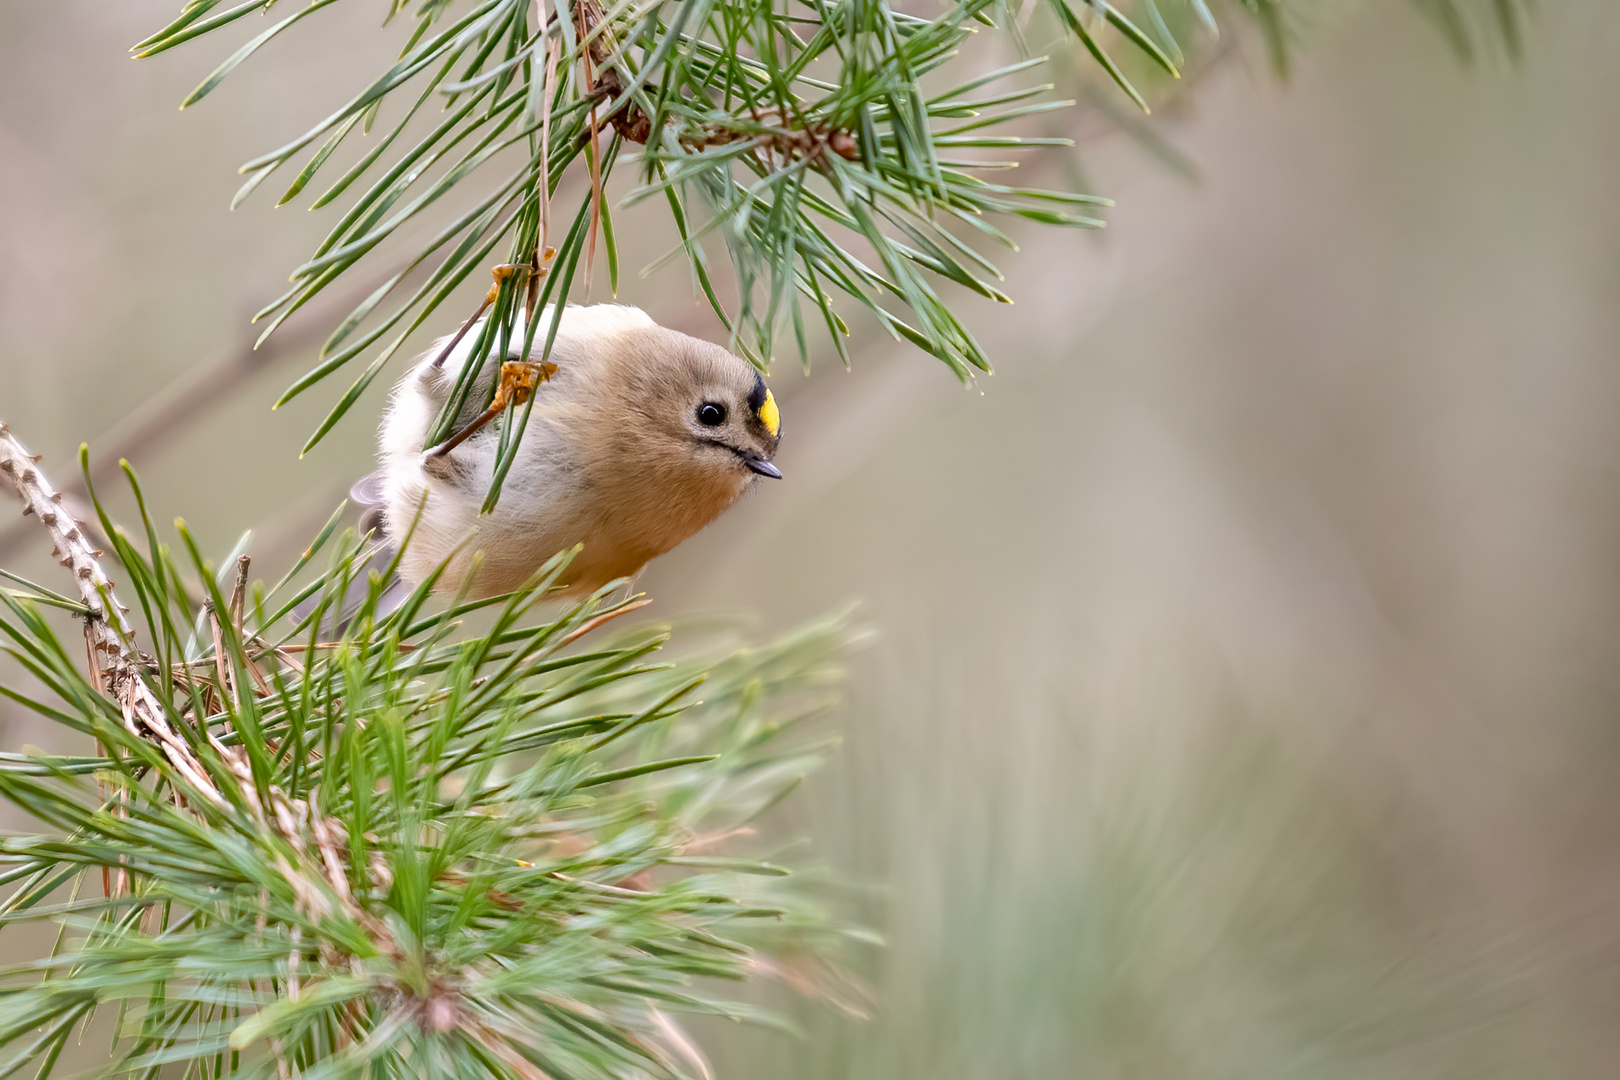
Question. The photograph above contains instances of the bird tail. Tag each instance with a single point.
(367, 492)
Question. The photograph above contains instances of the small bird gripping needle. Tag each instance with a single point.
(648, 435)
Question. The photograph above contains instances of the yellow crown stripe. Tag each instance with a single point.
(769, 415)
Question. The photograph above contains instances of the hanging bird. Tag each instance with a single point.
(638, 437)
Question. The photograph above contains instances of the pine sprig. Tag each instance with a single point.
(401, 853)
(798, 132)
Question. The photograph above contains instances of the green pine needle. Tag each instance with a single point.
(407, 852)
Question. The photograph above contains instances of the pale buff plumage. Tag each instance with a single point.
(614, 457)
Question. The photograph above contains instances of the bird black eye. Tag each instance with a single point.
(711, 415)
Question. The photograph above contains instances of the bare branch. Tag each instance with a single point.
(107, 633)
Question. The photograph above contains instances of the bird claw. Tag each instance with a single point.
(518, 377)
(518, 381)
(533, 271)
(522, 271)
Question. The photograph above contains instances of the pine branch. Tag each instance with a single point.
(797, 133)
(411, 852)
(109, 640)
(403, 853)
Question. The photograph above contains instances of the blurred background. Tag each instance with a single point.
(1242, 700)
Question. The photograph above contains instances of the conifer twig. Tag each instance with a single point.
(108, 637)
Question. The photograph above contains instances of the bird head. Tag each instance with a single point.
(736, 414)
(704, 409)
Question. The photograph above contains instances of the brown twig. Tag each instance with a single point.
(173, 412)
(607, 616)
(786, 136)
(107, 633)
(790, 138)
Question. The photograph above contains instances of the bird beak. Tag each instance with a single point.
(763, 467)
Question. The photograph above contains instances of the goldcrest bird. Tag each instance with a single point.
(639, 437)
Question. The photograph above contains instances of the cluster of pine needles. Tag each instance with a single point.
(412, 850)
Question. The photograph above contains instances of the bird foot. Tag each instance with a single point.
(530, 272)
(518, 381)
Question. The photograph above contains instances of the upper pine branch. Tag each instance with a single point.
(800, 132)
(837, 148)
